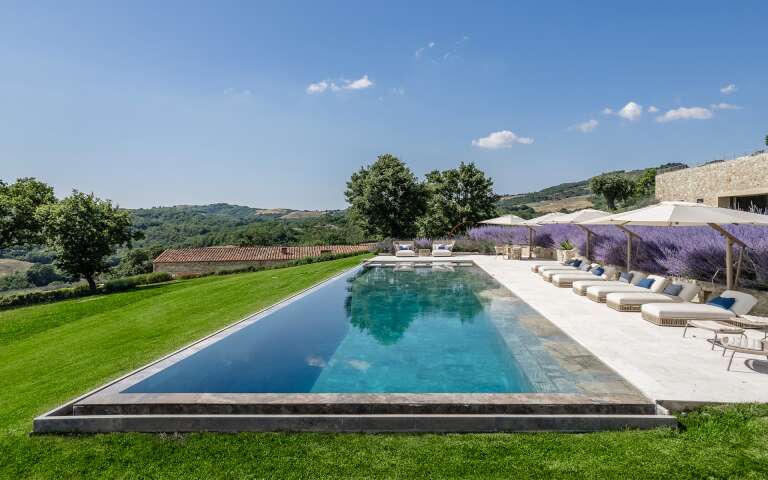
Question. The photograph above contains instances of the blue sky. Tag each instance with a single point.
(275, 104)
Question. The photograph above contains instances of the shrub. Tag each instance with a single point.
(566, 245)
(111, 286)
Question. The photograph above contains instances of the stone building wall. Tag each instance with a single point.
(193, 268)
(715, 183)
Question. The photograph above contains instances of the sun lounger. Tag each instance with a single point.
(564, 280)
(580, 287)
(632, 301)
(538, 267)
(442, 249)
(744, 344)
(405, 249)
(598, 293)
(584, 268)
(679, 314)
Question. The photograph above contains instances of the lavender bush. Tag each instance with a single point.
(692, 252)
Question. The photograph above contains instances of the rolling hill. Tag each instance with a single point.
(565, 196)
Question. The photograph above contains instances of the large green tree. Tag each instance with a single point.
(645, 185)
(456, 199)
(385, 198)
(84, 230)
(614, 187)
(18, 203)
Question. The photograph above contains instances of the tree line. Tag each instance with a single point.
(81, 229)
(387, 200)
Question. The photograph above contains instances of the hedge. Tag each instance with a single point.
(128, 283)
(115, 285)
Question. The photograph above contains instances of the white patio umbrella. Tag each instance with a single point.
(576, 218)
(509, 221)
(531, 224)
(686, 214)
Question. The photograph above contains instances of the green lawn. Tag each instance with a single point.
(52, 353)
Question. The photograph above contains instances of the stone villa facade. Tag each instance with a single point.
(741, 183)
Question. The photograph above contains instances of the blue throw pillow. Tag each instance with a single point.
(576, 262)
(598, 271)
(404, 247)
(570, 262)
(722, 302)
(625, 277)
(673, 289)
(645, 283)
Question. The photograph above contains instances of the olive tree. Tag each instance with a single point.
(84, 230)
(614, 187)
(385, 198)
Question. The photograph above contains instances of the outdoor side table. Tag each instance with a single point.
(424, 252)
(752, 322)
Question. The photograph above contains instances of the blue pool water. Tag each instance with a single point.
(373, 330)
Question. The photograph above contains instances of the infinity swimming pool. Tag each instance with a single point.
(376, 330)
(379, 330)
(385, 347)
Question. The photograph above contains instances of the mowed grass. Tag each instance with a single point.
(52, 353)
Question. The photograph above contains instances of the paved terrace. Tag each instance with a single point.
(657, 360)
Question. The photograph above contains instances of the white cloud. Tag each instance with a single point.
(724, 106)
(502, 139)
(324, 85)
(359, 84)
(585, 127)
(653, 109)
(318, 87)
(685, 113)
(419, 52)
(631, 111)
(729, 89)
(607, 111)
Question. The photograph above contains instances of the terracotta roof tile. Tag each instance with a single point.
(253, 254)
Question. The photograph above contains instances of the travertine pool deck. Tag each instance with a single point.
(677, 372)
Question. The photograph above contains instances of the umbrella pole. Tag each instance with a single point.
(530, 243)
(589, 236)
(729, 241)
(630, 234)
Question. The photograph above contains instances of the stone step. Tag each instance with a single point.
(348, 423)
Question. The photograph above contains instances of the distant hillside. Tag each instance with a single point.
(225, 224)
(565, 196)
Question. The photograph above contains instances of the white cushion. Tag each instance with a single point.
(636, 277)
(441, 253)
(744, 301)
(573, 276)
(686, 310)
(600, 290)
(639, 298)
(659, 283)
(580, 286)
(689, 291)
(405, 253)
(544, 268)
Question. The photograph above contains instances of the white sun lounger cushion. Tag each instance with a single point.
(571, 277)
(686, 310)
(639, 298)
(744, 301)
